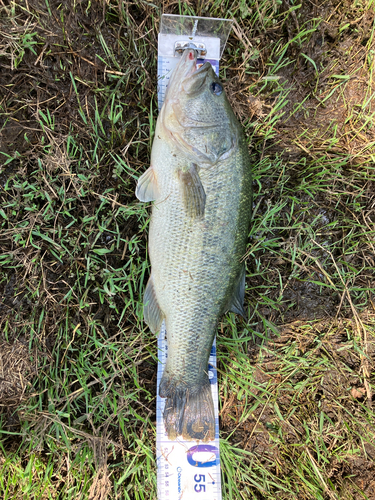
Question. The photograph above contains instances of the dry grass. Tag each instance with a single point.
(17, 369)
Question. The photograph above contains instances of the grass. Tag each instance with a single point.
(78, 365)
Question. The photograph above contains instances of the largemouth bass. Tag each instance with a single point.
(200, 181)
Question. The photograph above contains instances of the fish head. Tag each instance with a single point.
(197, 114)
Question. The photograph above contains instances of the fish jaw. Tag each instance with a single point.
(186, 66)
(169, 119)
(196, 121)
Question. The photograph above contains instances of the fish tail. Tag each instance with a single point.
(189, 412)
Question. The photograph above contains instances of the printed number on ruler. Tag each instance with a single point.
(187, 470)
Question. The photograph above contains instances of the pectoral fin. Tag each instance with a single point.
(236, 304)
(151, 309)
(147, 186)
(193, 194)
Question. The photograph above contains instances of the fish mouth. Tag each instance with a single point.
(195, 77)
(191, 55)
(186, 66)
(186, 76)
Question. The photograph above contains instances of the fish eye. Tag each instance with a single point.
(216, 88)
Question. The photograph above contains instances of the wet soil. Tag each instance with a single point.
(334, 392)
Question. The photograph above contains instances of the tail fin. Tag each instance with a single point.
(189, 412)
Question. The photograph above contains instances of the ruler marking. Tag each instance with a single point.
(183, 465)
(185, 469)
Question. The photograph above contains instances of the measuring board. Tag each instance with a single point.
(187, 470)
(167, 60)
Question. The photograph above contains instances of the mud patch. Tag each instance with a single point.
(320, 398)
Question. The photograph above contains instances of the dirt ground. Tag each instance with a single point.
(56, 62)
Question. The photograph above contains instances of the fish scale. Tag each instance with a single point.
(200, 180)
(193, 275)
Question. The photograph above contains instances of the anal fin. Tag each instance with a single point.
(151, 309)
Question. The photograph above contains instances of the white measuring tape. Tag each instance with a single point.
(187, 470)
(167, 60)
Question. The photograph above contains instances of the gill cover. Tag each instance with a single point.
(196, 113)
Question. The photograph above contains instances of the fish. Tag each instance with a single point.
(200, 183)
